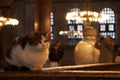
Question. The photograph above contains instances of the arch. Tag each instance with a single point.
(75, 25)
(107, 27)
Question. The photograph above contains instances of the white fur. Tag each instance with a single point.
(33, 57)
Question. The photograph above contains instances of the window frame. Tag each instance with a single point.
(107, 23)
(75, 24)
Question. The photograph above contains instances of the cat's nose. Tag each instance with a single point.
(43, 45)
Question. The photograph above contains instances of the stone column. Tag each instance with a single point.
(42, 16)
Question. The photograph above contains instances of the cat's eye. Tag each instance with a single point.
(40, 42)
(46, 40)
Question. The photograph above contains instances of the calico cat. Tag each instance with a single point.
(28, 52)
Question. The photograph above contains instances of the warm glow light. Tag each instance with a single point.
(2, 19)
(71, 32)
(86, 15)
(8, 21)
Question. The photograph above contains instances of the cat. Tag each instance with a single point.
(28, 52)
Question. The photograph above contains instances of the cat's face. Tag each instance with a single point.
(44, 44)
(39, 41)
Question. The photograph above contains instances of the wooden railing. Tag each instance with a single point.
(109, 71)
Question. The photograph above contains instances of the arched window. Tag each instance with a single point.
(52, 23)
(75, 25)
(108, 27)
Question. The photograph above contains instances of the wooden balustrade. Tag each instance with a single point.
(107, 71)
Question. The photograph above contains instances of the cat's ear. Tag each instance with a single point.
(31, 34)
(46, 34)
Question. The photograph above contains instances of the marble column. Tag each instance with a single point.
(42, 16)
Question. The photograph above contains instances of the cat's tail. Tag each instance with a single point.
(9, 65)
(9, 61)
(5, 68)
